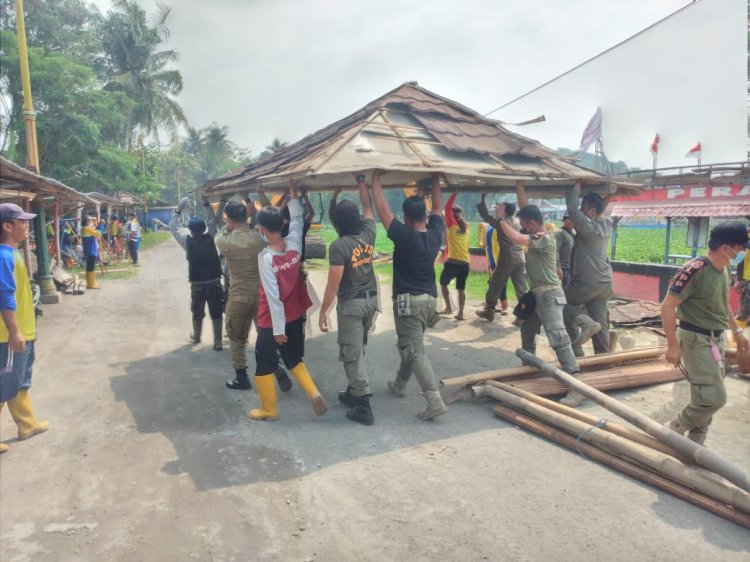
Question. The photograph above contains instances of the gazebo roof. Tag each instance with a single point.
(410, 133)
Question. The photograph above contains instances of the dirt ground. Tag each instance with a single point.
(150, 458)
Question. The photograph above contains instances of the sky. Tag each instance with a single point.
(283, 68)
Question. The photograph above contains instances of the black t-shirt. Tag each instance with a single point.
(354, 252)
(414, 255)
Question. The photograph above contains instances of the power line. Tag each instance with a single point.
(641, 32)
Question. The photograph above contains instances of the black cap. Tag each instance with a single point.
(731, 233)
(566, 217)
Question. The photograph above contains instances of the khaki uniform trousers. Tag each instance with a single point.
(410, 331)
(355, 318)
(706, 376)
(240, 313)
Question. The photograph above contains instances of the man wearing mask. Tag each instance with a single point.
(698, 297)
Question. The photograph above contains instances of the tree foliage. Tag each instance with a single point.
(104, 89)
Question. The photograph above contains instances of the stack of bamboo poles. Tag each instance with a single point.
(659, 457)
(612, 371)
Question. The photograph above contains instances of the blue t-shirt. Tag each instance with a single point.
(7, 278)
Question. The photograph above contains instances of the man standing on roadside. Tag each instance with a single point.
(591, 274)
(510, 263)
(18, 326)
(352, 278)
(698, 297)
(416, 243)
(134, 237)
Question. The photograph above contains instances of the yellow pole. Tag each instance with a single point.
(29, 117)
(47, 286)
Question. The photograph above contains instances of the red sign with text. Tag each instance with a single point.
(693, 192)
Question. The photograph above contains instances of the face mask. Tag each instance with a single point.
(738, 258)
(263, 237)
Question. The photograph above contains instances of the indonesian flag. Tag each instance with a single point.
(694, 152)
(654, 148)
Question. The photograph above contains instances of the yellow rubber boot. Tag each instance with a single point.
(23, 414)
(304, 379)
(3, 446)
(91, 280)
(266, 385)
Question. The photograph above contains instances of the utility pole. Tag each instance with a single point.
(47, 286)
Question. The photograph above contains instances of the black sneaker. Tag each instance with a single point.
(347, 398)
(241, 381)
(285, 383)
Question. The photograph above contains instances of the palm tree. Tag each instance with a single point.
(136, 66)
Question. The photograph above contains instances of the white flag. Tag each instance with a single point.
(593, 131)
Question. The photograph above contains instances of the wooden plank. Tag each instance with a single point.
(585, 363)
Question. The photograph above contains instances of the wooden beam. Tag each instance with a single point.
(585, 363)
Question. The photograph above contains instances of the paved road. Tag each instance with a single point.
(151, 458)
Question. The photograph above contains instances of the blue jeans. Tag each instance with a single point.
(18, 377)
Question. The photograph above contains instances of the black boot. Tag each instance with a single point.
(347, 398)
(285, 383)
(361, 411)
(241, 380)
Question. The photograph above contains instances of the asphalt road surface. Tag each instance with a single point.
(150, 458)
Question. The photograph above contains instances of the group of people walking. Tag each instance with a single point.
(267, 285)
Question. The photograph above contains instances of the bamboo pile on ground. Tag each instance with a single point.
(659, 457)
(629, 369)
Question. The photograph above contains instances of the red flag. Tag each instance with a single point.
(694, 152)
(654, 148)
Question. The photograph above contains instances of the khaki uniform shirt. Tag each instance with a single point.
(241, 249)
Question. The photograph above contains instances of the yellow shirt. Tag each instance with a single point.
(458, 244)
(24, 303)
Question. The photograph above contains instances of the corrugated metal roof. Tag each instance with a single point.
(411, 133)
(716, 207)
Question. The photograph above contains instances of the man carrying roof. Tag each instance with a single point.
(204, 272)
(591, 275)
(511, 263)
(544, 283)
(456, 264)
(351, 278)
(416, 244)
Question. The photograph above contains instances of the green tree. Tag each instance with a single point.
(273, 147)
(134, 65)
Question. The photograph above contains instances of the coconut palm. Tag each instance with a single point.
(136, 66)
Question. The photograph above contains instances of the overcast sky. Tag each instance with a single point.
(274, 68)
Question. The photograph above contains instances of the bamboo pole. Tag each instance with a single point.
(697, 453)
(584, 363)
(654, 460)
(623, 465)
(612, 427)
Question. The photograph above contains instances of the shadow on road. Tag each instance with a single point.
(181, 394)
